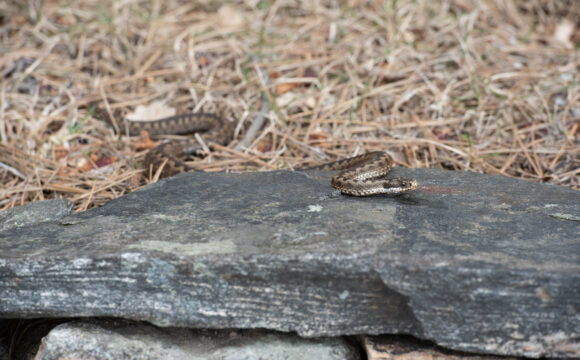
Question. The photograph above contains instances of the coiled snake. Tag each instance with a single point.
(361, 175)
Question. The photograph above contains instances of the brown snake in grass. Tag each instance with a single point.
(215, 130)
(361, 175)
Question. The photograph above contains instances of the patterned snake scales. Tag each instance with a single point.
(361, 175)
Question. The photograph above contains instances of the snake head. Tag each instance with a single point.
(399, 185)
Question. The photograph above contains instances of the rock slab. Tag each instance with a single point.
(472, 262)
(115, 339)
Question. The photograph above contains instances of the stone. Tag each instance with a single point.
(471, 262)
(118, 339)
(389, 347)
(34, 213)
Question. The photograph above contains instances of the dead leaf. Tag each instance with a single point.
(284, 88)
(310, 102)
(264, 147)
(155, 110)
(105, 161)
(203, 61)
(320, 139)
(84, 165)
(563, 33)
(146, 142)
(230, 17)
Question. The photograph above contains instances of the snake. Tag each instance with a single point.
(213, 128)
(361, 175)
(364, 175)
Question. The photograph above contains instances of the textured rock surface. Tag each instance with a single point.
(35, 213)
(472, 262)
(406, 348)
(127, 340)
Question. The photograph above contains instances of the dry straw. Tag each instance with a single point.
(487, 86)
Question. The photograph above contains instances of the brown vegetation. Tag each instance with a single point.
(487, 86)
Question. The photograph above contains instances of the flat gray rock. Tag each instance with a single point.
(472, 262)
(114, 339)
(35, 213)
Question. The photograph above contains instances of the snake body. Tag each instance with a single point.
(361, 175)
(214, 129)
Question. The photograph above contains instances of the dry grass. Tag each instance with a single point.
(461, 84)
